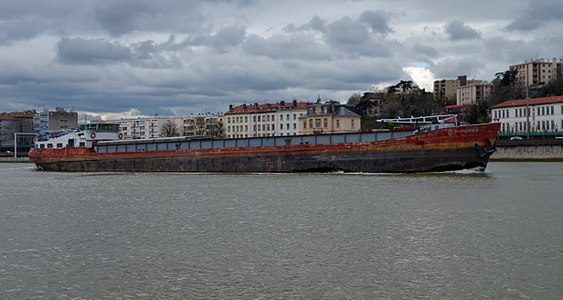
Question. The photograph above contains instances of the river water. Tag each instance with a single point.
(465, 235)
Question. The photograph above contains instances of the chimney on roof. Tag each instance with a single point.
(255, 105)
(244, 106)
(282, 103)
(230, 107)
(294, 103)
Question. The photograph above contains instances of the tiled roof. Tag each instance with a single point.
(533, 101)
(266, 107)
(18, 115)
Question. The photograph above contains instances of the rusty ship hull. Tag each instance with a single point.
(445, 149)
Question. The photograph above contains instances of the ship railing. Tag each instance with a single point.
(192, 144)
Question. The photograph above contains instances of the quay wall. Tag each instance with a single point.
(528, 150)
(24, 159)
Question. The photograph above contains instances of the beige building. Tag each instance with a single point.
(537, 71)
(447, 88)
(473, 93)
(330, 117)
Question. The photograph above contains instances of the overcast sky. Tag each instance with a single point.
(175, 57)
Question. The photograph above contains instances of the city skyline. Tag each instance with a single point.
(135, 58)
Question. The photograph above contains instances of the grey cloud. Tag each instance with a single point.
(537, 14)
(378, 21)
(459, 31)
(170, 16)
(352, 38)
(346, 31)
(452, 67)
(145, 54)
(20, 29)
(316, 23)
(228, 37)
(91, 51)
(295, 46)
(120, 17)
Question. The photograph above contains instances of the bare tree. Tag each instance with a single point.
(169, 129)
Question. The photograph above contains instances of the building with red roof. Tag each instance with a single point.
(530, 115)
(266, 119)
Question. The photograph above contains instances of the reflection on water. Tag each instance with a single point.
(462, 235)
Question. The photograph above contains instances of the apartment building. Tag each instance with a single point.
(473, 93)
(59, 119)
(447, 88)
(537, 114)
(329, 117)
(536, 71)
(269, 119)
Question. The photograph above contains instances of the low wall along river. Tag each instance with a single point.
(550, 150)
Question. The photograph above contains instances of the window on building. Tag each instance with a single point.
(246, 128)
(246, 119)
(317, 123)
(352, 123)
(294, 126)
(337, 123)
(553, 110)
(287, 117)
(281, 126)
(311, 123)
(294, 117)
(268, 118)
(281, 117)
(258, 118)
(273, 118)
(253, 118)
(305, 124)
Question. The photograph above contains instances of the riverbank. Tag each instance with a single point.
(528, 150)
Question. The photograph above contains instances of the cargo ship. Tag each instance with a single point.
(430, 148)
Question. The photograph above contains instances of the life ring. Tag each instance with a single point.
(93, 135)
(120, 135)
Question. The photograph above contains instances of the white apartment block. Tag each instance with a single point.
(473, 93)
(542, 115)
(536, 71)
(256, 120)
(146, 128)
